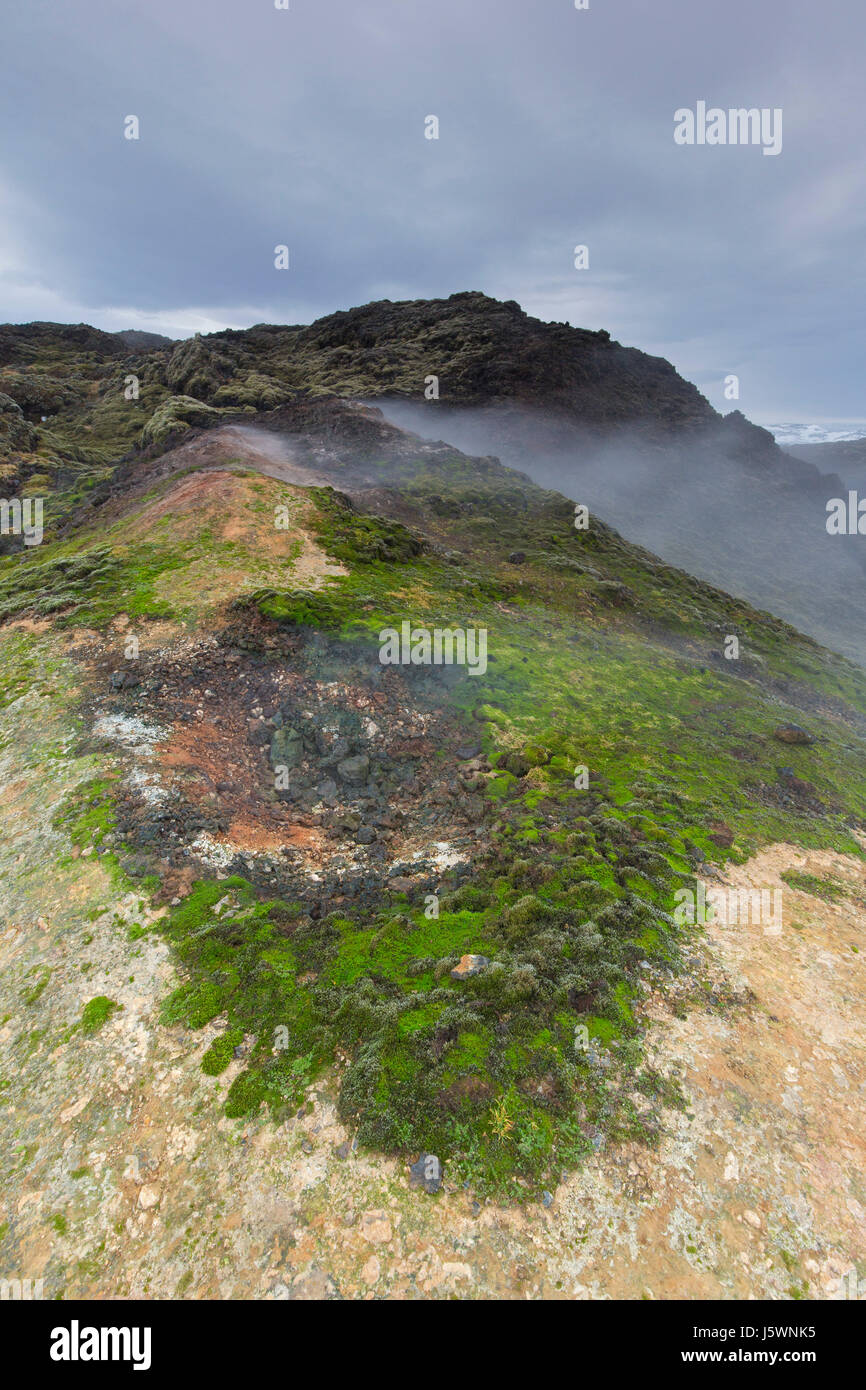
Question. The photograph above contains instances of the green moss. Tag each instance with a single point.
(357, 539)
(325, 609)
(220, 1052)
(97, 1011)
(246, 1094)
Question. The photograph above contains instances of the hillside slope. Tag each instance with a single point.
(261, 893)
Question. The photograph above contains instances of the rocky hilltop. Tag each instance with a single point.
(481, 350)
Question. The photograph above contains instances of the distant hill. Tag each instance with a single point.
(138, 338)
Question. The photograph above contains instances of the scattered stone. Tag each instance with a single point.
(148, 1196)
(124, 680)
(456, 1269)
(426, 1172)
(469, 966)
(792, 733)
(376, 1228)
(371, 1271)
(517, 557)
(354, 771)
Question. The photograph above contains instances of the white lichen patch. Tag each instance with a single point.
(136, 735)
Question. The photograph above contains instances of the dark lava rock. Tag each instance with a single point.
(124, 680)
(792, 733)
(355, 770)
(340, 749)
(426, 1172)
(517, 557)
(328, 789)
(403, 870)
(365, 835)
(287, 748)
(468, 750)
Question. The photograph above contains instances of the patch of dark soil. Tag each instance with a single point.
(298, 763)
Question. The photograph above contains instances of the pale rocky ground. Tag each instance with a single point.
(121, 1179)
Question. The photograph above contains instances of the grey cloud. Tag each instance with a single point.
(306, 127)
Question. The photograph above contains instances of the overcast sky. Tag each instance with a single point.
(306, 127)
